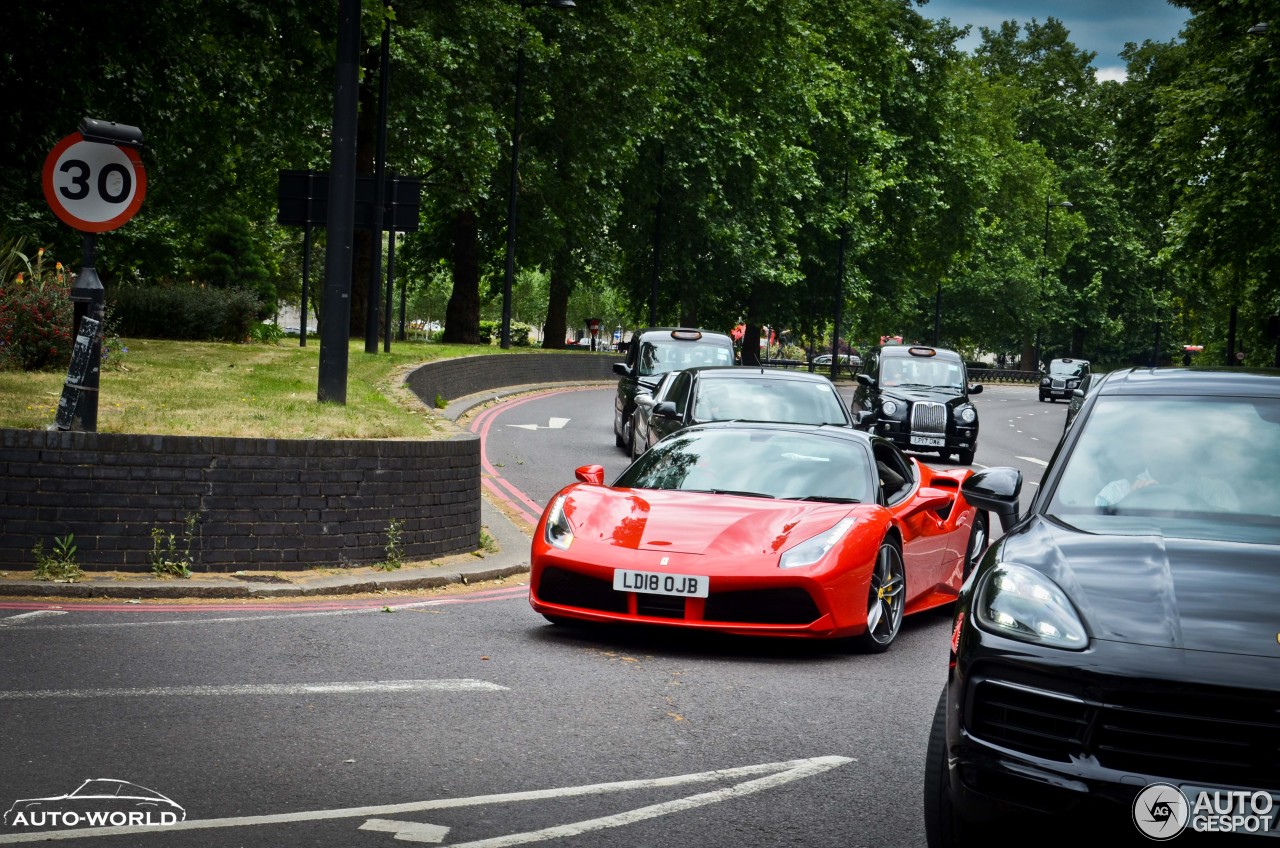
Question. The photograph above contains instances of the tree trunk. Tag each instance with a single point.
(366, 148)
(462, 315)
(556, 329)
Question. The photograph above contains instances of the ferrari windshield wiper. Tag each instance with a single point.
(827, 499)
(733, 492)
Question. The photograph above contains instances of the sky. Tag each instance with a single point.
(1100, 26)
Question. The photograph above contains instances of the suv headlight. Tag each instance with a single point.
(1023, 604)
(966, 414)
(889, 408)
(811, 550)
(558, 532)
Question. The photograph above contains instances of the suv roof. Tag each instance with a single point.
(1223, 381)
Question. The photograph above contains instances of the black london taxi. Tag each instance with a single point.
(918, 397)
(1064, 377)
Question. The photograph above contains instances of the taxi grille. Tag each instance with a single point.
(1210, 737)
(1057, 383)
(929, 418)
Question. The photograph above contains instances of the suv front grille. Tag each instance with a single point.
(1210, 737)
(929, 418)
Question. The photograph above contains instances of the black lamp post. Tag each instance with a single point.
(510, 275)
(1044, 267)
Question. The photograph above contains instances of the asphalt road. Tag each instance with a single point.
(466, 720)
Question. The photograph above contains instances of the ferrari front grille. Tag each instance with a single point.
(570, 589)
(929, 418)
(1207, 737)
(762, 606)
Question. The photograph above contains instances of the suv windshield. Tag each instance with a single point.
(1199, 468)
(659, 357)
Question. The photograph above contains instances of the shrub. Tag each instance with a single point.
(191, 313)
(35, 316)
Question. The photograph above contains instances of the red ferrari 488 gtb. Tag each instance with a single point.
(762, 530)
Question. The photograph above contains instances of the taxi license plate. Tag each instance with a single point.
(680, 585)
(930, 441)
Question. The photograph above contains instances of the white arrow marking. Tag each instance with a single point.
(777, 774)
(552, 424)
(456, 685)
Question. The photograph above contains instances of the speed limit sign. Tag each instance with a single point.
(93, 186)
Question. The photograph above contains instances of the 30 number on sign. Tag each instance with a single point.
(93, 186)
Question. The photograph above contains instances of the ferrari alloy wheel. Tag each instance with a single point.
(977, 543)
(884, 600)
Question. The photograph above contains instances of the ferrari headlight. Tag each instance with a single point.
(558, 532)
(1023, 604)
(889, 408)
(811, 550)
(966, 414)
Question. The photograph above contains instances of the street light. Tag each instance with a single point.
(1044, 267)
(510, 276)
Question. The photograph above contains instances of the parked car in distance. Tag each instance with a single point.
(850, 359)
(1115, 665)
(759, 529)
(654, 352)
(918, 397)
(1063, 378)
(739, 393)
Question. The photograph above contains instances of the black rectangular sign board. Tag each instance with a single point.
(304, 199)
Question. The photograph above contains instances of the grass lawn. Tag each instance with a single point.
(249, 390)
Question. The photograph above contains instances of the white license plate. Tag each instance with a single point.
(931, 441)
(654, 583)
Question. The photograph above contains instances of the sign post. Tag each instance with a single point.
(94, 182)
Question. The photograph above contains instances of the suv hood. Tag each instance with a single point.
(1160, 591)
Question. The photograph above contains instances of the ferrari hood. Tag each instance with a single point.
(1159, 591)
(694, 522)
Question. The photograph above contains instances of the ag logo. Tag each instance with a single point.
(1161, 811)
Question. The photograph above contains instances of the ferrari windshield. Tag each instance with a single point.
(791, 464)
(1200, 468)
(769, 399)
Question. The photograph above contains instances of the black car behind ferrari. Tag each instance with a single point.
(1115, 657)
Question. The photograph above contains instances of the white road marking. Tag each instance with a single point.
(443, 685)
(552, 424)
(408, 831)
(777, 774)
(26, 616)
(1040, 462)
(189, 618)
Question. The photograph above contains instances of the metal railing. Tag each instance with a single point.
(1003, 375)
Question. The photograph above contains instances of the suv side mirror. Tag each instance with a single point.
(865, 379)
(975, 389)
(995, 490)
(622, 369)
(666, 409)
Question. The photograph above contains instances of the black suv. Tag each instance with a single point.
(918, 397)
(1063, 378)
(654, 352)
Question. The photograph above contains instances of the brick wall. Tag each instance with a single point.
(263, 503)
(259, 503)
(455, 378)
